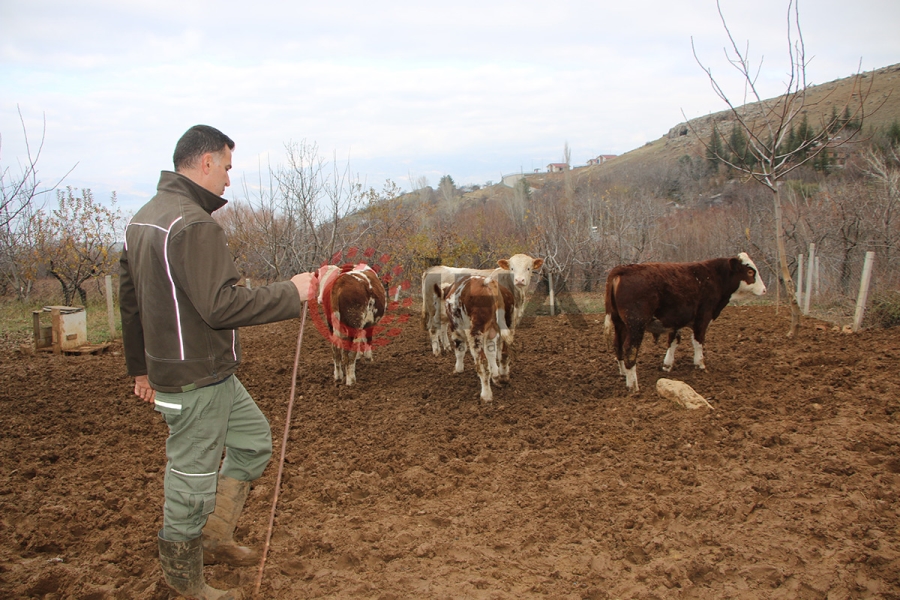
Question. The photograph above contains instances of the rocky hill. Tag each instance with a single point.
(881, 107)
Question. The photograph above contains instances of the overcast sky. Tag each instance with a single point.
(404, 90)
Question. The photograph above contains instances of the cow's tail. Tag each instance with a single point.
(427, 298)
(609, 330)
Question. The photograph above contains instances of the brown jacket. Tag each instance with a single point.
(180, 301)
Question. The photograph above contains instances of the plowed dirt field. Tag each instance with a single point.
(408, 486)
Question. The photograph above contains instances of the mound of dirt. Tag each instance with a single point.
(407, 486)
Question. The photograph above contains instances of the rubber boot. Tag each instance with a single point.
(218, 542)
(182, 564)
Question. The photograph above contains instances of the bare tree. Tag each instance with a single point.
(885, 213)
(77, 240)
(19, 195)
(759, 148)
(260, 235)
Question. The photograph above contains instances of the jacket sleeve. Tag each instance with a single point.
(132, 329)
(204, 270)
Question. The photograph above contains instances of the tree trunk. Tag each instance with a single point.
(782, 258)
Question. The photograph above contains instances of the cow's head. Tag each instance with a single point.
(750, 281)
(521, 266)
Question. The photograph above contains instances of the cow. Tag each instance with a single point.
(353, 300)
(480, 316)
(665, 297)
(513, 273)
(434, 317)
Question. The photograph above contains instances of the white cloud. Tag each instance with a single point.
(473, 89)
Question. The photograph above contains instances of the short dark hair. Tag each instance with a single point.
(197, 141)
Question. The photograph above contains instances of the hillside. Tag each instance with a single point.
(881, 88)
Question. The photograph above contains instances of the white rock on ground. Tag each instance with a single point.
(681, 393)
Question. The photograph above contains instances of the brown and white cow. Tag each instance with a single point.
(353, 300)
(480, 316)
(650, 296)
(513, 273)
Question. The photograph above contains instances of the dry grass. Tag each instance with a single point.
(17, 320)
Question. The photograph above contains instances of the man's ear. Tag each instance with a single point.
(206, 162)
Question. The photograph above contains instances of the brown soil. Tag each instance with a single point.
(407, 486)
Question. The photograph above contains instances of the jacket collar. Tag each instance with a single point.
(169, 181)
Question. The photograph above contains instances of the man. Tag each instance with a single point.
(181, 307)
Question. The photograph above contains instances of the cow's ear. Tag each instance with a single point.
(504, 264)
(736, 264)
(538, 263)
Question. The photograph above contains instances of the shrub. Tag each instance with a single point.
(885, 310)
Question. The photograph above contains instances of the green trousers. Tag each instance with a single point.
(204, 423)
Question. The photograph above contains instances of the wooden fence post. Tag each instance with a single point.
(863, 290)
(110, 312)
(552, 295)
(810, 269)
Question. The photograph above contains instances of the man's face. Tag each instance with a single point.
(219, 163)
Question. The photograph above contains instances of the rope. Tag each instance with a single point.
(287, 428)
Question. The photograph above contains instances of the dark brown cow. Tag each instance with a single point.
(669, 296)
(353, 300)
(480, 315)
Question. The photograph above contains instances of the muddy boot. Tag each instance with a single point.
(218, 545)
(182, 564)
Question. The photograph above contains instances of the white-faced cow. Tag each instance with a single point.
(353, 300)
(669, 296)
(513, 273)
(480, 316)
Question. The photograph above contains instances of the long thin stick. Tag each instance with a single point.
(287, 429)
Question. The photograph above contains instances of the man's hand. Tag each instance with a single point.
(143, 390)
(307, 285)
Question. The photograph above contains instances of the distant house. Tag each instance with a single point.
(557, 167)
(600, 159)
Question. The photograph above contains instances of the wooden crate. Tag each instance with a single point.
(66, 332)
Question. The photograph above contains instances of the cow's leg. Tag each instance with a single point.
(630, 349)
(698, 351)
(619, 332)
(459, 347)
(481, 366)
(444, 338)
(669, 360)
(435, 333)
(492, 354)
(336, 358)
(435, 342)
(349, 361)
(504, 363)
(370, 336)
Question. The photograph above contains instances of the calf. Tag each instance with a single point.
(513, 273)
(434, 317)
(353, 300)
(669, 296)
(479, 313)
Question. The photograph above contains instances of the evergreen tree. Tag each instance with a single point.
(805, 135)
(893, 135)
(714, 151)
(739, 145)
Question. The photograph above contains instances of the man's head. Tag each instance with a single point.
(203, 155)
